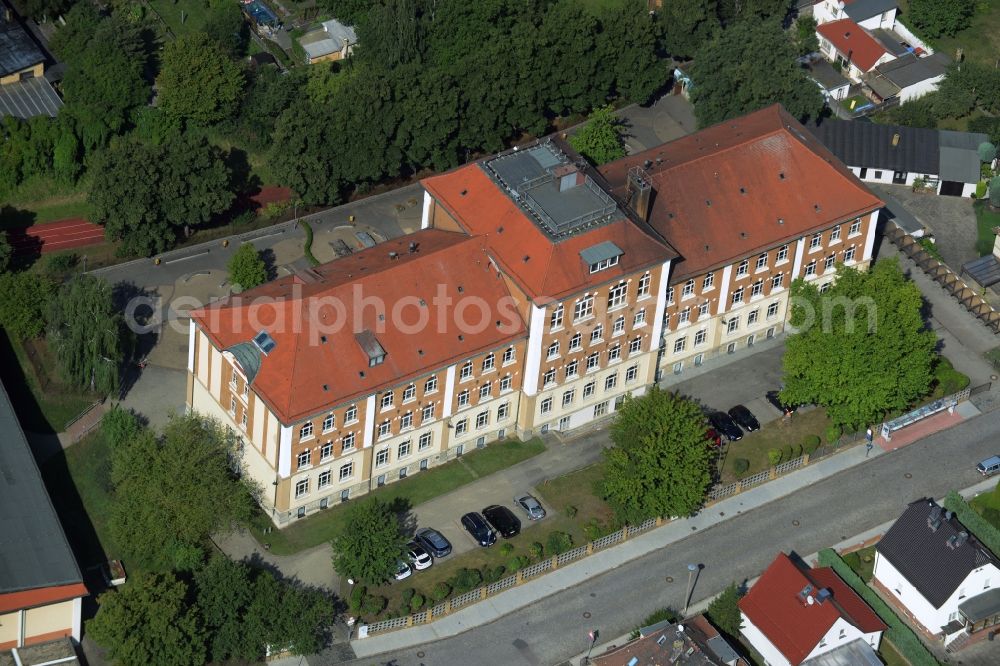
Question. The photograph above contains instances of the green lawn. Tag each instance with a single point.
(774, 435)
(406, 494)
(980, 41)
(42, 199)
(889, 654)
(580, 491)
(862, 562)
(181, 16)
(986, 220)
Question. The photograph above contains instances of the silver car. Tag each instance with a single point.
(530, 506)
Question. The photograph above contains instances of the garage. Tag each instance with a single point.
(951, 188)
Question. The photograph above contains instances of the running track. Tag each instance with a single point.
(78, 232)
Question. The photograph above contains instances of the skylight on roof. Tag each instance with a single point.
(264, 342)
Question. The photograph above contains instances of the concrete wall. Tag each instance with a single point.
(38, 625)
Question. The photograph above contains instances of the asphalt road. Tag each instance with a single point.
(736, 550)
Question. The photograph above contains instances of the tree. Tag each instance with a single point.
(149, 621)
(198, 82)
(987, 152)
(732, 11)
(724, 611)
(225, 26)
(806, 40)
(995, 193)
(224, 593)
(24, 303)
(247, 268)
(660, 464)
(88, 335)
(748, 66)
(370, 543)
(175, 490)
(143, 193)
(600, 141)
(937, 18)
(861, 349)
(687, 25)
(391, 34)
(627, 53)
(349, 12)
(41, 10)
(6, 252)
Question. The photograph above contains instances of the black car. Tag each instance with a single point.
(480, 530)
(774, 397)
(725, 425)
(503, 520)
(744, 418)
(433, 541)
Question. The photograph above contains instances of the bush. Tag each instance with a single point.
(373, 604)
(786, 452)
(774, 457)
(979, 526)
(811, 443)
(536, 551)
(570, 511)
(416, 603)
(465, 580)
(740, 467)
(831, 434)
(517, 563)
(243, 219)
(660, 615)
(506, 549)
(901, 635)
(558, 543)
(307, 245)
(493, 574)
(995, 192)
(981, 189)
(357, 596)
(59, 266)
(949, 380)
(594, 529)
(441, 591)
(407, 595)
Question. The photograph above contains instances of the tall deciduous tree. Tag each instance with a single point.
(660, 464)
(687, 25)
(724, 611)
(370, 542)
(173, 491)
(600, 141)
(24, 303)
(627, 48)
(87, 334)
(733, 11)
(748, 66)
(862, 348)
(144, 193)
(247, 268)
(198, 82)
(937, 18)
(149, 621)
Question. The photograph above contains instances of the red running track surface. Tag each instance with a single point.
(55, 236)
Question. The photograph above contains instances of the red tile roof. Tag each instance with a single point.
(543, 268)
(853, 42)
(741, 187)
(775, 606)
(305, 375)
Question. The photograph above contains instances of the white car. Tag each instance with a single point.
(419, 557)
(403, 570)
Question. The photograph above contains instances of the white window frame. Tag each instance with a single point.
(431, 385)
(301, 488)
(761, 262)
(387, 400)
(644, 283)
(708, 282)
(782, 255)
(346, 471)
(552, 351)
(584, 308)
(351, 415)
(382, 454)
(743, 268)
(348, 442)
(680, 344)
(556, 319)
(545, 406)
(489, 363)
(328, 423)
(306, 431)
(618, 296)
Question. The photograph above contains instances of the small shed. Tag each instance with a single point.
(333, 41)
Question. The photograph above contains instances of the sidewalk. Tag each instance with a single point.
(581, 571)
(928, 426)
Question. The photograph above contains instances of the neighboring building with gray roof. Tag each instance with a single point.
(20, 57)
(929, 564)
(945, 160)
(907, 77)
(833, 84)
(29, 98)
(334, 41)
(40, 584)
(870, 14)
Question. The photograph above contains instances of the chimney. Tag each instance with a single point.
(639, 192)
(413, 247)
(822, 595)
(952, 542)
(962, 538)
(934, 518)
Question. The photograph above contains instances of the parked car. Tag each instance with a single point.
(990, 466)
(714, 438)
(503, 520)
(435, 542)
(419, 557)
(530, 506)
(403, 570)
(774, 398)
(480, 530)
(744, 418)
(721, 422)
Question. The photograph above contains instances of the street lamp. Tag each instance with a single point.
(593, 634)
(692, 574)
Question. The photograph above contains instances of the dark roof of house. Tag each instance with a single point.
(984, 270)
(926, 545)
(29, 98)
(824, 74)
(908, 70)
(34, 552)
(17, 49)
(870, 145)
(859, 10)
(959, 159)
(855, 653)
(890, 40)
(690, 644)
(981, 606)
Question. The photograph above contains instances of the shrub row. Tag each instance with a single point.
(901, 635)
(307, 246)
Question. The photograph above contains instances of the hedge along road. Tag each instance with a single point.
(825, 513)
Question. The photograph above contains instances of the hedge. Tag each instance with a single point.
(307, 246)
(983, 529)
(902, 636)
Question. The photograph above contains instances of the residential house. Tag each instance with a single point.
(851, 47)
(984, 272)
(829, 80)
(41, 589)
(24, 91)
(870, 14)
(939, 575)
(906, 78)
(694, 643)
(795, 615)
(944, 160)
(750, 204)
(333, 41)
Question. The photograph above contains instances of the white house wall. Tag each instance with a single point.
(772, 655)
(919, 89)
(841, 633)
